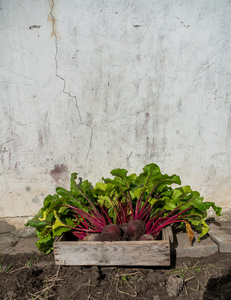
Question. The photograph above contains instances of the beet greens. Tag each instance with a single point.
(146, 199)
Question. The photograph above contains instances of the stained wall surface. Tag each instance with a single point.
(88, 86)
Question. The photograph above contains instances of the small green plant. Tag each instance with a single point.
(127, 277)
(124, 278)
(147, 197)
(29, 263)
(189, 272)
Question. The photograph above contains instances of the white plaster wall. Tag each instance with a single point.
(88, 86)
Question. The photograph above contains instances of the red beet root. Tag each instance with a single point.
(146, 237)
(135, 229)
(110, 233)
(124, 228)
(92, 237)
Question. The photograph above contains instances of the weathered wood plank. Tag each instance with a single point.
(119, 253)
(167, 233)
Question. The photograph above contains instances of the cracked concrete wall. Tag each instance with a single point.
(88, 86)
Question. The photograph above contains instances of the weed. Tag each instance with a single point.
(185, 271)
(124, 278)
(29, 263)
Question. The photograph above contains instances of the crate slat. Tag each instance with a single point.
(119, 253)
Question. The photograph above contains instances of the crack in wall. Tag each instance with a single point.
(6, 142)
(53, 23)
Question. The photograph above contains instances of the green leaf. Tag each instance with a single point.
(35, 222)
(203, 206)
(49, 200)
(63, 192)
(100, 186)
(70, 222)
(57, 224)
(169, 206)
(45, 245)
(44, 232)
(119, 173)
(176, 194)
(45, 239)
(63, 209)
(121, 177)
(104, 201)
(185, 189)
(217, 209)
(204, 230)
(171, 179)
(99, 189)
(60, 230)
(74, 187)
(150, 171)
(54, 205)
(136, 194)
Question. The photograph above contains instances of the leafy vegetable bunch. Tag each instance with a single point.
(121, 200)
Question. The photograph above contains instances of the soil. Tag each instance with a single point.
(37, 277)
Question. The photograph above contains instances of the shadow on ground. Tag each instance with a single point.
(218, 288)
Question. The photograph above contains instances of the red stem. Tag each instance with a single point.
(95, 209)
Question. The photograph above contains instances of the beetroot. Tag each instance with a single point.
(92, 237)
(124, 228)
(135, 229)
(146, 237)
(110, 233)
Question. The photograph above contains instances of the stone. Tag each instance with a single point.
(203, 248)
(195, 296)
(25, 245)
(174, 285)
(7, 242)
(226, 215)
(222, 236)
(5, 227)
(25, 233)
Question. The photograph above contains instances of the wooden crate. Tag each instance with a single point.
(119, 253)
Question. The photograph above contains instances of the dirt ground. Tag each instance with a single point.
(37, 277)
